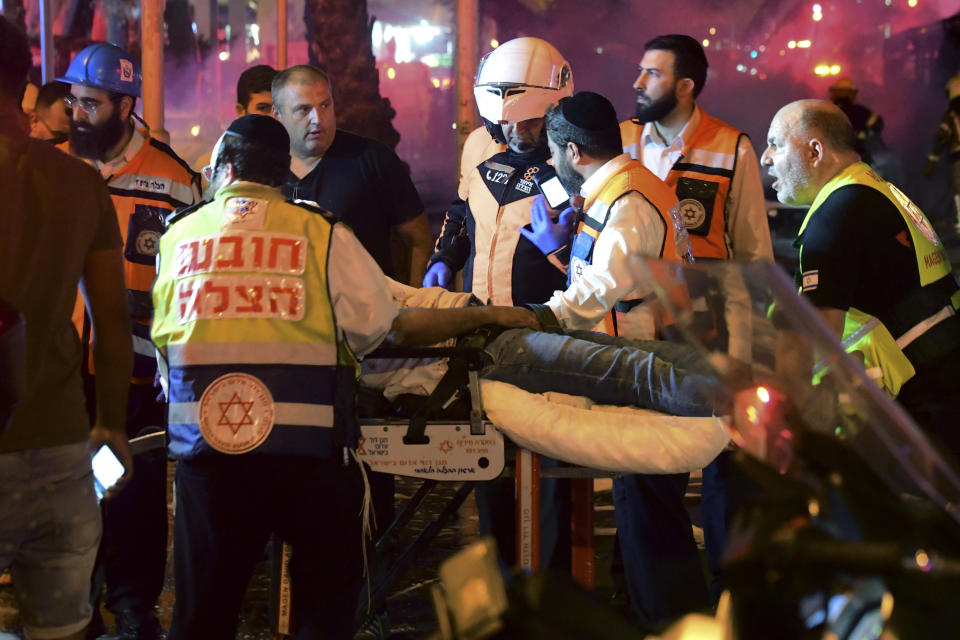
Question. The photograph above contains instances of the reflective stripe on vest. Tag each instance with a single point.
(879, 348)
(701, 179)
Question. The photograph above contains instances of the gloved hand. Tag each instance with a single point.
(546, 234)
(438, 275)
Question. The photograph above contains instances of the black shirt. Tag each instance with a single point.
(364, 184)
(857, 252)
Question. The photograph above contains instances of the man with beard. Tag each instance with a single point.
(627, 211)
(147, 181)
(714, 170)
(489, 233)
(711, 166)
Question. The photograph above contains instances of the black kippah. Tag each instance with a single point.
(589, 111)
(263, 131)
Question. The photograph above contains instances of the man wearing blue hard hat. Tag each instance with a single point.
(147, 181)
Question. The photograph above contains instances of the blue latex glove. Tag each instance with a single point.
(546, 234)
(438, 275)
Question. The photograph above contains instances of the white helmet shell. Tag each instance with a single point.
(520, 80)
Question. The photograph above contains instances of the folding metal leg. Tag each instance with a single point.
(581, 527)
(528, 510)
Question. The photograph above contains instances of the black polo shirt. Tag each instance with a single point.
(363, 184)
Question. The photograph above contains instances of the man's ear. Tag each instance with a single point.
(816, 150)
(685, 87)
(126, 107)
(241, 110)
(573, 153)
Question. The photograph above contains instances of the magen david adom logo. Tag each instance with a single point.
(236, 413)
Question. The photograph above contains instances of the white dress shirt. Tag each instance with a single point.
(634, 228)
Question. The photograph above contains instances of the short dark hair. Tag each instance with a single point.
(601, 144)
(830, 124)
(284, 78)
(15, 53)
(253, 162)
(256, 79)
(689, 59)
(52, 92)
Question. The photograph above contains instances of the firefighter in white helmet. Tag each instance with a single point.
(487, 232)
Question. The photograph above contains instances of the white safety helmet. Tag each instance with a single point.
(520, 80)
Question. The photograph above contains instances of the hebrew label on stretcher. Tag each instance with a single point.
(452, 453)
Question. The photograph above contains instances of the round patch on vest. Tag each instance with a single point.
(694, 213)
(236, 413)
(148, 242)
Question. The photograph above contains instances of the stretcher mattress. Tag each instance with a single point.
(610, 438)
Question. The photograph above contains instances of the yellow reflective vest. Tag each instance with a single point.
(244, 315)
(890, 359)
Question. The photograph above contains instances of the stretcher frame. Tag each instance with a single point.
(386, 566)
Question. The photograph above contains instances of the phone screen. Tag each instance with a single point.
(107, 469)
(554, 192)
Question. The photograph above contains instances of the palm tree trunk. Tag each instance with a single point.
(338, 32)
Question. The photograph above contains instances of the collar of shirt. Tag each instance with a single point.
(594, 182)
(658, 155)
(133, 147)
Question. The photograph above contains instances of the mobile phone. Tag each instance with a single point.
(552, 189)
(107, 469)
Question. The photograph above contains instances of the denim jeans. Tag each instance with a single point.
(49, 532)
(650, 374)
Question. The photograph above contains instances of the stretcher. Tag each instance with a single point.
(465, 432)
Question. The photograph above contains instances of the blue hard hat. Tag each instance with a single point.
(105, 66)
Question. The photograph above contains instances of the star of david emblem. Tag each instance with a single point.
(446, 446)
(243, 208)
(235, 413)
(578, 270)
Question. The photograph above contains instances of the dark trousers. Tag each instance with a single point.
(227, 508)
(133, 550)
(717, 505)
(661, 564)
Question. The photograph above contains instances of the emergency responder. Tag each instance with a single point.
(627, 211)
(948, 138)
(515, 84)
(711, 165)
(146, 181)
(867, 124)
(714, 171)
(260, 347)
(868, 251)
(488, 232)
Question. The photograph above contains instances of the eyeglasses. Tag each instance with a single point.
(87, 105)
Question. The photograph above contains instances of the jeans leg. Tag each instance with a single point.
(662, 566)
(626, 372)
(715, 509)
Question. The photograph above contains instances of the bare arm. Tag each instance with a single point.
(416, 326)
(104, 292)
(415, 234)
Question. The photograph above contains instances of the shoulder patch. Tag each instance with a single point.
(180, 214)
(313, 207)
(810, 280)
